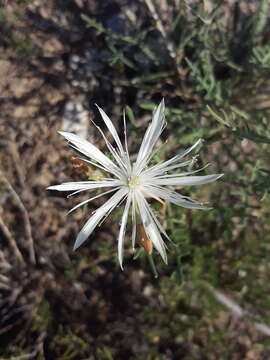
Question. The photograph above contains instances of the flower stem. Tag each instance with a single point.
(152, 265)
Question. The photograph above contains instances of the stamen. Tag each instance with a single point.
(133, 181)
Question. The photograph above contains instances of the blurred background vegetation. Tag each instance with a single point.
(210, 60)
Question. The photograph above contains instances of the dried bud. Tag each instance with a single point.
(145, 242)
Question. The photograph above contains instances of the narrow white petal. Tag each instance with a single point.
(134, 220)
(67, 187)
(176, 198)
(166, 176)
(126, 145)
(117, 158)
(151, 136)
(91, 151)
(150, 173)
(122, 231)
(105, 209)
(186, 152)
(187, 180)
(164, 165)
(150, 226)
(188, 204)
(92, 198)
(111, 128)
(177, 166)
(84, 185)
(160, 227)
(120, 161)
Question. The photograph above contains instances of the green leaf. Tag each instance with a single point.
(217, 117)
(130, 115)
(90, 22)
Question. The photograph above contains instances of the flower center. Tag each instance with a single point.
(133, 181)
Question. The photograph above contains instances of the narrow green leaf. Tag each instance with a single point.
(93, 23)
(217, 117)
(130, 115)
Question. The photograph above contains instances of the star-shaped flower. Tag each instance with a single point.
(133, 182)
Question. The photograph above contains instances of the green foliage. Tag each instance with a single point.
(10, 36)
(68, 346)
(23, 44)
(92, 23)
(43, 317)
(130, 115)
(103, 353)
(216, 87)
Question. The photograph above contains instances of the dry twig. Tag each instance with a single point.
(237, 311)
(160, 27)
(11, 241)
(27, 225)
(16, 161)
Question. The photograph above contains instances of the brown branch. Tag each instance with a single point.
(160, 27)
(16, 161)
(237, 311)
(26, 220)
(11, 241)
(4, 265)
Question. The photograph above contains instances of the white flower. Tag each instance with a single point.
(133, 182)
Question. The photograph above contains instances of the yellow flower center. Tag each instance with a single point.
(133, 181)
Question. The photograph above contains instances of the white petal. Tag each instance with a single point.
(120, 161)
(177, 166)
(151, 136)
(134, 221)
(166, 176)
(111, 128)
(187, 180)
(126, 145)
(105, 209)
(150, 226)
(150, 173)
(122, 231)
(92, 198)
(84, 185)
(176, 198)
(160, 227)
(88, 149)
(163, 166)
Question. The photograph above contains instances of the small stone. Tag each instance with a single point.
(75, 119)
(52, 47)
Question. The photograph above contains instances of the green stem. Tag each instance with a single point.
(152, 265)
